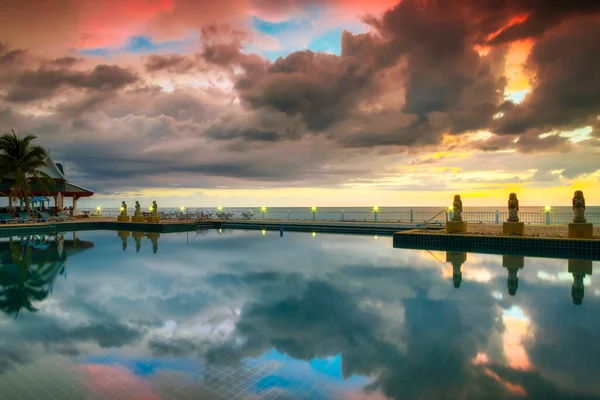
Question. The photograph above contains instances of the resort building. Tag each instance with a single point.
(61, 187)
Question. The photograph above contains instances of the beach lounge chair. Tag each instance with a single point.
(62, 216)
(45, 217)
(7, 218)
(25, 216)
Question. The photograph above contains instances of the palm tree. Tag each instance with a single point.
(24, 162)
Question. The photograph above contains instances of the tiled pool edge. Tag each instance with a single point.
(581, 249)
(522, 246)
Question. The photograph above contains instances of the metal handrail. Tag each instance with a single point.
(432, 218)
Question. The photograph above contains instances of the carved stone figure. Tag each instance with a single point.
(579, 207)
(138, 208)
(457, 208)
(154, 208)
(123, 208)
(513, 208)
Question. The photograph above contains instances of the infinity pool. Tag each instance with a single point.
(247, 315)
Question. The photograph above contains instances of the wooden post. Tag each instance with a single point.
(74, 204)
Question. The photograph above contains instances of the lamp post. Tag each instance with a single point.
(547, 208)
(263, 211)
(375, 211)
(314, 211)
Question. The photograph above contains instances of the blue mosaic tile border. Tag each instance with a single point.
(580, 249)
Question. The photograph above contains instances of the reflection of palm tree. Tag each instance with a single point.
(30, 283)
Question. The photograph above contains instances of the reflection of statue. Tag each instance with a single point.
(579, 269)
(457, 260)
(124, 242)
(513, 264)
(513, 208)
(138, 243)
(154, 240)
(577, 289)
(513, 281)
(138, 208)
(154, 208)
(123, 208)
(579, 207)
(457, 208)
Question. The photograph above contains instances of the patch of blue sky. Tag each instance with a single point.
(141, 45)
(144, 367)
(280, 28)
(296, 375)
(328, 42)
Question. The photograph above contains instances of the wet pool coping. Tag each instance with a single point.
(562, 248)
(364, 228)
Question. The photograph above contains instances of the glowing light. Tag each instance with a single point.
(220, 208)
(547, 208)
(450, 207)
(313, 208)
(314, 234)
(375, 237)
(98, 208)
(122, 208)
(220, 230)
(182, 208)
(264, 231)
(376, 209)
(263, 209)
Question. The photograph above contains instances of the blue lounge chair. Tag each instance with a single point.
(7, 218)
(45, 217)
(25, 216)
(62, 216)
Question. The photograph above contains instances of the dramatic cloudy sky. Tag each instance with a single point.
(299, 102)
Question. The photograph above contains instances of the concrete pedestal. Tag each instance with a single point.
(153, 219)
(456, 227)
(513, 229)
(123, 218)
(581, 231)
(138, 218)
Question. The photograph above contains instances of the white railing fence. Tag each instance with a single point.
(548, 218)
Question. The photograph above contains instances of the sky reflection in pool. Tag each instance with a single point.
(242, 315)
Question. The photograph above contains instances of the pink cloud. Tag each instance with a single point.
(114, 381)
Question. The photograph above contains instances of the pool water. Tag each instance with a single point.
(252, 315)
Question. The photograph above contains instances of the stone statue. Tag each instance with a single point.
(123, 208)
(154, 208)
(138, 208)
(513, 208)
(579, 207)
(457, 208)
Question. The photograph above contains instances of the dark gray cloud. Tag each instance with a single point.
(44, 82)
(566, 91)
(174, 63)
